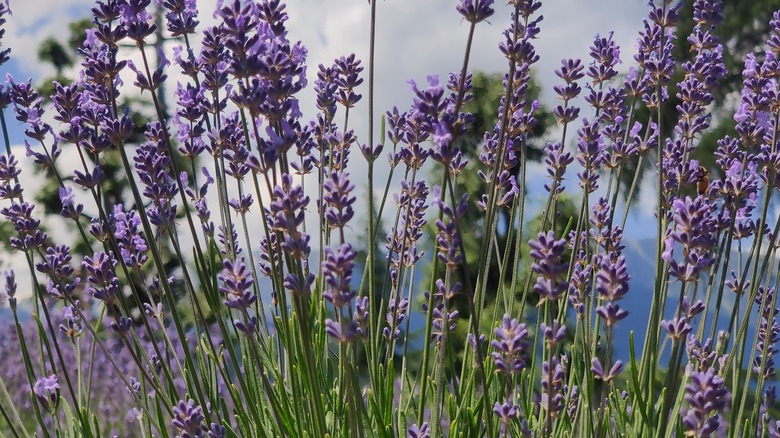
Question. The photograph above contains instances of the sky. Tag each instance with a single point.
(415, 38)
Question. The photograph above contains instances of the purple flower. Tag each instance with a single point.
(707, 396)
(506, 411)
(132, 245)
(71, 325)
(394, 317)
(188, 419)
(612, 277)
(549, 265)
(47, 391)
(102, 282)
(29, 235)
(605, 54)
(337, 271)
(511, 342)
(552, 400)
(70, 209)
(9, 173)
(338, 199)
(611, 313)
(598, 371)
(236, 284)
(474, 13)
(423, 431)
(182, 16)
(693, 227)
(4, 10)
(345, 332)
(557, 161)
(347, 78)
(554, 333)
(768, 334)
(402, 242)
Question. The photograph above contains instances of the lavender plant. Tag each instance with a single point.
(271, 326)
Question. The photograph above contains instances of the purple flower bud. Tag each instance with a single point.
(423, 431)
(598, 371)
(707, 396)
(474, 13)
(549, 265)
(341, 332)
(510, 343)
(9, 285)
(122, 325)
(337, 271)
(506, 411)
(236, 284)
(554, 333)
(47, 391)
(677, 328)
(71, 326)
(189, 419)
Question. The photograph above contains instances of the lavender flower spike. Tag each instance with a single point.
(237, 285)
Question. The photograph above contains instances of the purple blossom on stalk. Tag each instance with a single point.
(553, 334)
(5, 54)
(136, 20)
(707, 397)
(286, 214)
(56, 266)
(28, 107)
(506, 412)
(394, 317)
(47, 391)
(70, 209)
(590, 154)
(422, 431)
(599, 373)
(182, 16)
(337, 269)
(510, 344)
(580, 284)
(549, 265)
(9, 173)
(552, 401)
(347, 78)
(122, 325)
(606, 54)
(29, 236)
(443, 322)
(189, 420)
(557, 161)
(362, 315)
(89, 180)
(768, 334)
(9, 286)
(475, 11)
(132, 245)
(612, 277)
(448, 239)
(611, 313)
(338, 199)
(236, 284)
(693, 227)
(343, 333)
(102, 282)
(71, 325)
(402, 241)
